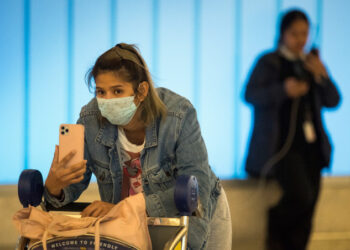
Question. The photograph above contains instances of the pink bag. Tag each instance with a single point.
(126, 221)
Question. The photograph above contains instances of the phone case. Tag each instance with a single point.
(71, 137)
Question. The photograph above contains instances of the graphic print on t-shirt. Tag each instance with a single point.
(132, 171)
(130, 159)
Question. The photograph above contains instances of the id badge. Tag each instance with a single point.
(309, 132)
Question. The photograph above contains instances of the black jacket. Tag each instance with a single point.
(265, 91)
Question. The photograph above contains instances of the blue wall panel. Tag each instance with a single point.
(309, 6)
(201, 49)
(176, 52)
(91, 37)
(47, 88)
(12, 89)
(134, 25)
(216, 85)
(336, 53)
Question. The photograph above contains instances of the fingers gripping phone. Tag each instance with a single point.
(71, 137)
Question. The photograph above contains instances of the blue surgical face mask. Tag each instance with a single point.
(118, 111)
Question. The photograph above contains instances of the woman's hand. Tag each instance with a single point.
(314, 64)
(295, 88)
(60, 175)
(96, 209)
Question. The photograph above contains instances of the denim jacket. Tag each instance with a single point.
(173, 147)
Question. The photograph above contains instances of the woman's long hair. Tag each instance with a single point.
(127, 63)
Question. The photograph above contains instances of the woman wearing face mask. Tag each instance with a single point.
(287, 89)
(139, 139)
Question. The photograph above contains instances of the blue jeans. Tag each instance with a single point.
(220, 229)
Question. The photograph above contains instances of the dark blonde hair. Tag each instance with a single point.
(126, 61)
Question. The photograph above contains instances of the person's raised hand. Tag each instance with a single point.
(314, 64)
(60, 175)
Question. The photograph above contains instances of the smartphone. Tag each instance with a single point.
(71, 137)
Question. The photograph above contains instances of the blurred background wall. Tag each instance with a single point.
(201, 49)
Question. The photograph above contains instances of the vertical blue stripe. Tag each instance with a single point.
(237, 80)
(196, 54)
(155, 36)
(113, 6)
(26, 108)
(278, 19)
(279, 6)
(70, 58)
(319, 24)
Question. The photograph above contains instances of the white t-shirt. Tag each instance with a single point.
(130, 158)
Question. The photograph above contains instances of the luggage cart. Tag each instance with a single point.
(165, 233)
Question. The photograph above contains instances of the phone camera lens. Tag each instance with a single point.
(67, 130)
(62, 127)
(62, 133)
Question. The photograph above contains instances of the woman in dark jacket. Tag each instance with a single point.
(287, 89)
